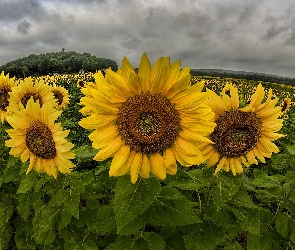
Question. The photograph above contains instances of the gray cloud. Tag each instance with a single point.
(23, 27)
(232, 34)
(14, 10)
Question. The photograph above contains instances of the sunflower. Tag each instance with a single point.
(61, 95)
(27, 89)
(34, 135)
(242, 134)
(6, 84)
(148, 121)
(285, 105)
(81, 84)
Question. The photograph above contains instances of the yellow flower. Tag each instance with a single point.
(35, 136)
(61, 95)
(285, 105)
(148, 121)
(6, 84)
(27, 89)
(242, 135)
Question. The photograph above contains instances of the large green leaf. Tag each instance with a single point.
(131, 200)
(149, 241)
(171, 208)
(205, 236)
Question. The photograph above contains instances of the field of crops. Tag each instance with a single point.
(74, 196)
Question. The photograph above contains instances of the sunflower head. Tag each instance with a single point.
(147, 121)
(27, 89)
(285, 105)
(243, 135)
(60, 95)
(35, 136)
(6, 84)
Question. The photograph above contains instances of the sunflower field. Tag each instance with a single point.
(153, 158)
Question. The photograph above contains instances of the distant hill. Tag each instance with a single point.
(244, 75)
(56, 62)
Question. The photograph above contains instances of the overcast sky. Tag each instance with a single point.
(247, 35)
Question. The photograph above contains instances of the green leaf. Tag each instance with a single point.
(99, 219)
(24, 206)
(131, 200)
(149, 241)
(5, 236)
(122, 242)
(26, 184)
(132, 227)
(285, 224)
(85, 153)
(291, 149)
(205, 236)
(290, 177)
(171, 208)
(183, 181)
(84, 245)
(264, 180)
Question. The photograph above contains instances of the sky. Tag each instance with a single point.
(252, 35)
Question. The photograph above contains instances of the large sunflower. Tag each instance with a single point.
(242, 135)
(148, 121)
(28, 88)
(6, 84)
(35, 135)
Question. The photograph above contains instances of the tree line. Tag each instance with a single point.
(246, 75)
(61, 62)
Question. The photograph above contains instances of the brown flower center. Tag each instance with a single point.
(58, 96)
(40, 141)
(35, 96)
(4, 96)
(148, 123)
(236, 133)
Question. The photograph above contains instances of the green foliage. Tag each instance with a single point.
(56, 62)
(193, 209)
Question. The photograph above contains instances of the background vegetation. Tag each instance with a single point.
(61, 62)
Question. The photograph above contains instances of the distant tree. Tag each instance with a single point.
(56, 62)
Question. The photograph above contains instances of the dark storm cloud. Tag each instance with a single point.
(15, 10)
(230, 34)
(23, 27)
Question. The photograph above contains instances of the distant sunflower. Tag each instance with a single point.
(285, 105)
(148, 121)
(242, 134)
(61, 95)
(6, 84)
(81, 84)
(35, 135)
(26, 89)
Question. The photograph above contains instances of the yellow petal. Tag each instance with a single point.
(135, 167)
(156, 76)
(126, 166)
(172, 77)
(145, 169)
(101, 138)
(192, 100)
(170, 161)
(214, 158)
(182, 83)
(193, 136)
(220, 165)
(144, 73)
(96, 121)
(158, 166)
(257, 97)
(109, 150)
(120, 158)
